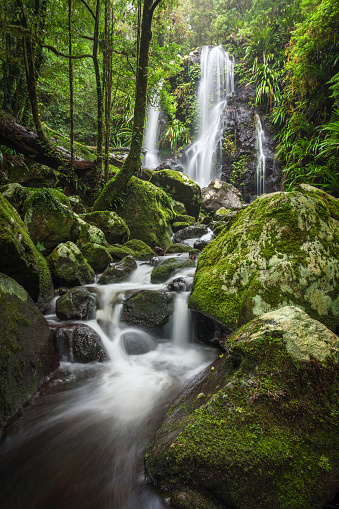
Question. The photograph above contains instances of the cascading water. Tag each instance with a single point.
(151, 137)
(80, 442)
(216, 85)
(261, 158)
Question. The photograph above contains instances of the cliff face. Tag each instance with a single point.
(239, 146)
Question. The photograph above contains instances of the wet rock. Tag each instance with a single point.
(178, 248)
(20, 259)
(27, 350)
(219, 194)
(280, 369)
(114, 227)
(181, 188)
(177, 285)
(158, 251)
(137, 343)
(75, 304)
(118, 272)
(190, 232)
(69, 267)
(168, 267)
(97, 256)
(280, 250)
(170, 164)
(79, 343)
(148, 308)
(201, 243)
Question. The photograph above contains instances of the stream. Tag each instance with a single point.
(80, 441)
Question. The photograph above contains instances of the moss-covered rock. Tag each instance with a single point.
(69, 267)
(140, 250)
(118, 252)
(118, 272)
(178, 207)
(148, 308)
(146, 209)
(178, 248)
(259, 427)
(184, 218)
(181, 188)
(283, 249)
(75, 304)
(48, 217)
(27, 353)
(16, 195)
(168, 267)
(19, 257)
(97, 256)
(223, 214)
(114, 227)
(34, 175)
(83, 232)
(76, 204)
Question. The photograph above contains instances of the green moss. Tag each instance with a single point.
(178, 248)
(140, 250)
(118, 252)
(168, 267)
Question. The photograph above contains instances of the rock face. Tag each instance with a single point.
(148, 309)
(281, 250)
(181, 188)
(118, 272)
(219, 194)
(68, 266)
(259, 427)
(239, 146)
(26, 346)
(145, 208)
(75, 304)
(20, 259)
(48, 217)
(114, 227)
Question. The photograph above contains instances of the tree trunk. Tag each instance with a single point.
(99, 93)
(70, 75)
(133, 161)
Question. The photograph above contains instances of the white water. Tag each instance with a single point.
(80, 443)
(216, 85)
(151, 138)
(261, 158)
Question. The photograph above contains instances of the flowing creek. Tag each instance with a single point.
(80, 441)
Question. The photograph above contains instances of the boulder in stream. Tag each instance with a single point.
(259, 427)
(169, 266)
(79, 343)
(75, 304)
(27, 350)
(69, 267)
(190, 232)
(148, 308)
(219, 194)
(118, 272)
(283, 249)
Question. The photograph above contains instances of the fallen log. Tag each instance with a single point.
(25, 141)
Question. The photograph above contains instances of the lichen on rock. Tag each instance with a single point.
(69, 267)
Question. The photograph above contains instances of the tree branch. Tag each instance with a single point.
(60, 54)
(88, 8)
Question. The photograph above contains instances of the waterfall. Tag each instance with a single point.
(181, 321)
(216, 85)
(261, 158)
(151, 159)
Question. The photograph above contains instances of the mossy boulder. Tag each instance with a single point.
(118, 272)
(181, 188)
(76, 204)
(84, 232)
(170, 266)
(146, 209)
(27, 353)
(69, 267)
(97, 256)
(114, 227)
(33, 175)
(140, 250)
(283, 249)
(118, 252)
(178, 248)
(16, 195)
(75, 304)
(48, 217)
(148, 309)
(19, 257)
(259, 427)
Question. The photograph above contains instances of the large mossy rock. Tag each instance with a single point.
(97, 256)
(48, 217)
(258, 428)
(118, 272)
(181, 188)
(27, 353)
(114, 227)
(283, 249)
(69, 267)
(76, 304)
(19, 257)
(83, 233)
(141, 251)
(148, 309)
(170, 266)
(145, 208)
